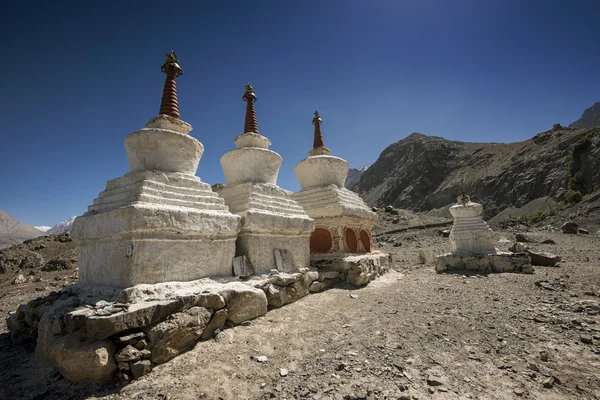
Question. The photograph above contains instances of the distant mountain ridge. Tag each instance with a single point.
(589, 119)
(423, 172)
(61, 227)
(14, 232)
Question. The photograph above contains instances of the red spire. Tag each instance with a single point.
(169, 105)
(250, 124)
(318, 141)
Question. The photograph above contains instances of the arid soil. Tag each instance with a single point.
(411, 334)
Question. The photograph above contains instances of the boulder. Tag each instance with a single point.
(169, 338)
(310, 277)
(543, 258)
(243, 302)
(569, 228)
(81, 360)
(316, 286)
(283, 279)
(216, 323)
(444, 232)
(278, 296)
(211, 300)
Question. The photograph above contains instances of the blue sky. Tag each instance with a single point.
(80, 76)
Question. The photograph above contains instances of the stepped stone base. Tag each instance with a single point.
(354, 269)
(271, 220)
(484, 263)
(150, 227)
(94, 333)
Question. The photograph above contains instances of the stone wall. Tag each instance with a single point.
(96, 334)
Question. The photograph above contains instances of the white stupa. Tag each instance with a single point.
(473, 244)
(158, 222)
(273, 224)
(343, 221)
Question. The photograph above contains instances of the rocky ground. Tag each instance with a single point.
(411, 334)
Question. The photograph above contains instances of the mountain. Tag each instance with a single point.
(354, 175)
(43, 228)
(423, 172)
(61, 227)
(14, 232)
(589, 119)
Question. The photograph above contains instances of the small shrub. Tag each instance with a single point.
(573, 196)
(534, 218)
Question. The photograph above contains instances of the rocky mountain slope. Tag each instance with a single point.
(13, 231)
(423, 172)
(354, 175)
(589, 119)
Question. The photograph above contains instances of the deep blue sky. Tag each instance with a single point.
(79, 76)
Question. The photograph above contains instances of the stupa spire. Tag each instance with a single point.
(169, 105)
(250, 123)
(318, 140)
(318, 145)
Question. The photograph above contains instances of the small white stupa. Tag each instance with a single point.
(275, 230)
(158, 222)
(343, 221)
(473, 244)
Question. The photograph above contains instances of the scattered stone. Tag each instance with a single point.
(569, 228)
(548, 383)
(353, 296)
(283, 372)
(389, 208)
(58, 264)
(519, 392)
(444, 232)
(582, 231)
(141, 345)
(374, 209)
(127, 354)
(283, 279)
(140, 368)
(146, 353)
(262, 359)
(548, 241)
(224, 337)
(19, 279)
(518, 247)
(522, 238)
(586, 339)
(242, 267)
(543, 258)
(435, 378)
(544, 356)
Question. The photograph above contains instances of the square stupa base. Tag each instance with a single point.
(354, 269)
(260, 250)
(484, 263)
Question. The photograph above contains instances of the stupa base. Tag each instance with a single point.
(484, 263)
(260, 250)
(354, 269)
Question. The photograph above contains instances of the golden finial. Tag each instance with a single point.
(171, 65)
(317, 118)
(249, 93)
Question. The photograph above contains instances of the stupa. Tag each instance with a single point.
(343, 221)
(159, 222)
(473, 244)
(275, 231)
